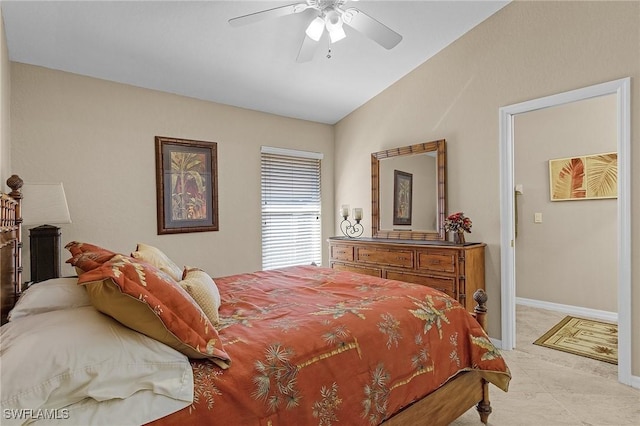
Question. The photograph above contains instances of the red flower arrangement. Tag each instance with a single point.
(457, 222)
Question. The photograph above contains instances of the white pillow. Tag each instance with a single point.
(58, 358)
(50, 295)
(139, 409)
(157, 258)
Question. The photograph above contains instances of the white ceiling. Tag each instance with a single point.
(188, 48)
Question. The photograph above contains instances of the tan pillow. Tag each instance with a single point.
(158, 259)
(204, 291)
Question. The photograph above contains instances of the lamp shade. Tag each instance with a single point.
(44, 203)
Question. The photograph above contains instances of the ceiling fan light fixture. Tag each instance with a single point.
(332, 19)
(330, 15)
(315, 29)
(333, 22)
(337, 34)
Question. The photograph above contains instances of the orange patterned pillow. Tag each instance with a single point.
(147, 300)
(86, 257)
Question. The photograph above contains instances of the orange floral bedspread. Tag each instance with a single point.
(314, 346)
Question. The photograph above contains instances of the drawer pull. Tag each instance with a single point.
(401, 258)
(434, 262)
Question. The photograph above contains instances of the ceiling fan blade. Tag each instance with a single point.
(269, 13)
(307, 50)
(371, 28)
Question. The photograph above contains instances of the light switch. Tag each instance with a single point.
(537, 217)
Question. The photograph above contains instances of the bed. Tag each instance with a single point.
(297, 345)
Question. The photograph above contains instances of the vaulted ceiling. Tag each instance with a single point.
(189, 48)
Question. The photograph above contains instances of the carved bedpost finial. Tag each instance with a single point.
(15, 183)
(480, 296)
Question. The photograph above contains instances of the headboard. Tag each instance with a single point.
(10, 245)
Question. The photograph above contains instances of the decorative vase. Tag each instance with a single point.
(458, 237)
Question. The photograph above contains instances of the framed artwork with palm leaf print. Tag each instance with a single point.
(584, 178)
(187, 185)
(402, 197)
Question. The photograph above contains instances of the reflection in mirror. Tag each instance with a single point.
(409, 191)
(421, 171)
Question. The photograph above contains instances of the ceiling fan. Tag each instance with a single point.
(330, 16)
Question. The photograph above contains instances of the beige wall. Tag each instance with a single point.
(583, 253)
(97, 137)
(525, 51)
(5, 108)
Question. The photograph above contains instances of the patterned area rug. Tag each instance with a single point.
(589, 338)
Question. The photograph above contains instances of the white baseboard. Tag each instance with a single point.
(569, 309)
(635, 382)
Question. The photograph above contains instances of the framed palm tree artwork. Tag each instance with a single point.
(402, 197)
(187, 185)
(584, 178)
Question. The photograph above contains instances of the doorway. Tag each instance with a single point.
(621, 90)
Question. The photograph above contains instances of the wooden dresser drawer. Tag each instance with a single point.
(454, 269)
(339, 252)
(443, 284)
(391, 257)
(357, 269)
(437, 261)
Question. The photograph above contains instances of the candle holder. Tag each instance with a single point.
(348, 229)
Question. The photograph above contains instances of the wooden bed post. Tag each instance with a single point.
(480, 311)
(455, 397)
(15, 183)
(10, 247)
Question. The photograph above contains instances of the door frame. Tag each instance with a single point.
(622, 89)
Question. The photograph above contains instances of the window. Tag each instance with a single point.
(291, 232)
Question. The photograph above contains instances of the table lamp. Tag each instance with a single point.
(45, 205)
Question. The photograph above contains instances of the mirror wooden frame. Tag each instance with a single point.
(439, 147)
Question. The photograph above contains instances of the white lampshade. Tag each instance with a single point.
(315, 29)
(44, 204)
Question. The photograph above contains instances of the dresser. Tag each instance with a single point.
(457, 270)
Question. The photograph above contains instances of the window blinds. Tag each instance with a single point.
(291, 232)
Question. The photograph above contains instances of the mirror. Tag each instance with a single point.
(408, 192)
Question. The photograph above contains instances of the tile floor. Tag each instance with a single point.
(551, 387)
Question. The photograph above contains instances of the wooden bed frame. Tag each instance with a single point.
(455, 397)
(10, 245)
(441, 407)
